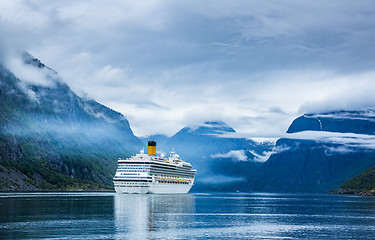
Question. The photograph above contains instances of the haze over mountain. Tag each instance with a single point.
(52, 138)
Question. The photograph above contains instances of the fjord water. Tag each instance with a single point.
(188, 216)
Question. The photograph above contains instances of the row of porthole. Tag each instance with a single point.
(172, 182)
(136, 186)
(134, 183)
(138, 166)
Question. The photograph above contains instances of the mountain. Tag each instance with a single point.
(223, 161)
(50, 138)
(320, 152)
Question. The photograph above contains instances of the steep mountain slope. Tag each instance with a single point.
(54, 138)
(223, 162)
(321, 152)
(363, 184)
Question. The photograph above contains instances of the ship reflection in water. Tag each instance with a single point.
(139, 216)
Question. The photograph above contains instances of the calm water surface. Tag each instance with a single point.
(190, 216)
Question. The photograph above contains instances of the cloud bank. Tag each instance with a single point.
(350, 140)
(164, 64)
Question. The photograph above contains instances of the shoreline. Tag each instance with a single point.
(356, 192)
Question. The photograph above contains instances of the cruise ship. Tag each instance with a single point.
(152, 173)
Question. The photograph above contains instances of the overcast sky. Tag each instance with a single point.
(165, 64)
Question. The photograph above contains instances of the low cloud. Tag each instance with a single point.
(279, 149)
(236, 155)
(261, 157)
(338, 150)
(349, 140)
(30, 74)
(221, 179)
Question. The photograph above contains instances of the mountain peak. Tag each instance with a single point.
(209, 128)
(27, 58)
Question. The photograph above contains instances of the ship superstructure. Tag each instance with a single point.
(150, 173)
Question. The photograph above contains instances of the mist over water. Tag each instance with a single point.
(187, 216)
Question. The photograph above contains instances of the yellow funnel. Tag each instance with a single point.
(151, 148)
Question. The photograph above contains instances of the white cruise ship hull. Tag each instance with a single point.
(155, 188)
(164, 188)
(131, 190)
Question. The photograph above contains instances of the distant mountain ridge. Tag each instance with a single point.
(319, 164)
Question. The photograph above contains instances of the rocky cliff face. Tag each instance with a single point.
(54, 137)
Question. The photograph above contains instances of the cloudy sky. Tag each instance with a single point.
(165, 64)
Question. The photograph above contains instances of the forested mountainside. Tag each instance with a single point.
(362, 184)
(50, 138)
